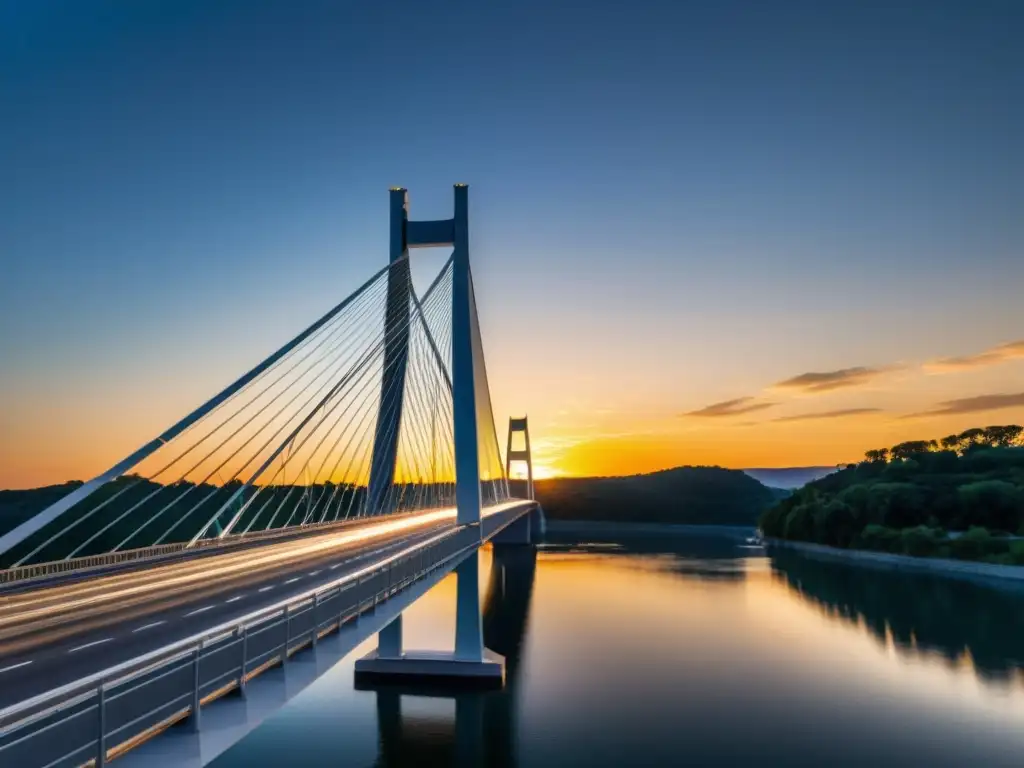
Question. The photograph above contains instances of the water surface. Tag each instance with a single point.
(688, 650)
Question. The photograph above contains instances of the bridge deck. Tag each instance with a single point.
(57, 635)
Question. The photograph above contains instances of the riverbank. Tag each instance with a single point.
(600, 528)
(1001, 575)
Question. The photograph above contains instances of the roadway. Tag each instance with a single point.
(56, 634)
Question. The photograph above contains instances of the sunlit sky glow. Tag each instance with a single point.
(737, 233)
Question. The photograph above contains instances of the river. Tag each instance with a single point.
(690, 650)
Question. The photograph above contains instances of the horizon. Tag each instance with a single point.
(719, 236)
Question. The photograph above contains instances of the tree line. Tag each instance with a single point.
(959, 496)
(1006, 436)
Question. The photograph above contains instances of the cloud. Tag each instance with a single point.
(830, 414)
(826, 381)
(972, 405)
(730, 408)
(1009, 351)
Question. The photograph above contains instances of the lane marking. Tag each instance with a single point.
(234, 599)
(336, 565)
(313, 573)
(16, 666)
(148, 626)
(200, 610)
(292, 580)
(90, 645)
(264, 589)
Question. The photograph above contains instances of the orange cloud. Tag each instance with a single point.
(972, 405)
(826, 381)
(729, 408)
(1011, 351)
(829, 414)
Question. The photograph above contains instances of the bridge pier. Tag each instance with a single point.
(470, 665)
(519, 532)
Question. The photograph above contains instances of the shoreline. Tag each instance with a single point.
(604, 527)
(968, 570)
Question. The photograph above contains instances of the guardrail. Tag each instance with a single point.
(164, 551)
(102, 716)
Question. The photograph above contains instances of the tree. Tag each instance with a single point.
(970, 438)
(951, 442)
(994, 504)
(1004, 436)
(911, 448)
(877, 456)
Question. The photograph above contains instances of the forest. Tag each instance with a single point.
(961, 496)
(687, 495)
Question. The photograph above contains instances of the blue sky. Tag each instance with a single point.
(672, 205)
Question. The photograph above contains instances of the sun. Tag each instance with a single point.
(541, 471)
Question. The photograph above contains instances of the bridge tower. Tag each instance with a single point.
(527, 528)
(470, 663)
(515, 426)
(406, 234)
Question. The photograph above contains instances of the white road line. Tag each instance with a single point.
(148, 626)
(313, 573)
(292, 580)
(200, 610)
(15, 666)
(264, 589)
(234, 599)
(336, 565)
(90, 645)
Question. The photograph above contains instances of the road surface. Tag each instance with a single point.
(54, 635)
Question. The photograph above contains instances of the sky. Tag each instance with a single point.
(738, 233)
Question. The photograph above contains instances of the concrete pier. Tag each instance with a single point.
(470, 665)
(431, 669)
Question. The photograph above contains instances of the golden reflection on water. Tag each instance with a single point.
(640, 653)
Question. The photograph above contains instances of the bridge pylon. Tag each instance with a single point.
(529, 527)
(515, 426)
(406, 235)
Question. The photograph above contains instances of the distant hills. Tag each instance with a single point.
(789, 477)
(684, 495)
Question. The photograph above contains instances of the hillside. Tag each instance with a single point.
(691, 495)
(909, 498)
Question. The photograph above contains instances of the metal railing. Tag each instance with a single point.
(92, 720)
(166, 551)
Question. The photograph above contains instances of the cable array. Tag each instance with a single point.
(293, 446)
(494, 487)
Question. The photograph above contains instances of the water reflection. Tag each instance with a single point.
(712, 556)
(684, 650)
(418, 726)
(920, 613)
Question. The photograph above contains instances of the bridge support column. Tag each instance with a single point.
(519, 532)
(470, 665)
(389, 640)
(396, 355)
(467, 450)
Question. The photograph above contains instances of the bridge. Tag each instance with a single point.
(314, 498)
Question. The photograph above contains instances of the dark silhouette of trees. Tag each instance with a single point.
(689, 495)
(908, 499)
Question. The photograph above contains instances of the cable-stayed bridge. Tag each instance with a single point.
(318, 495)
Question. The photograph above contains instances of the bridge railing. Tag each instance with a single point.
(102, 716)
(26, 573)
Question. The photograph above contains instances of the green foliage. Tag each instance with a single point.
(905, 500)
(993, 503)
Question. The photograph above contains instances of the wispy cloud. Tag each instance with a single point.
(972, 405)
(1009, 351)
(826, 381)
(830, 414)
(730, 408)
